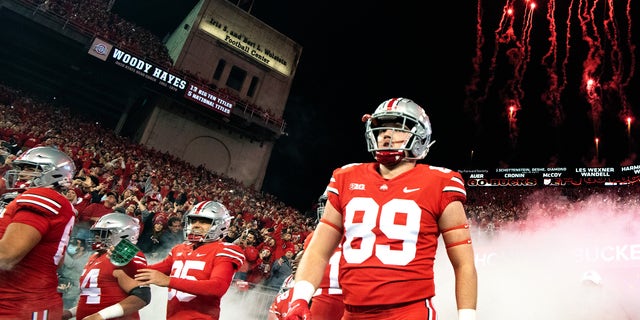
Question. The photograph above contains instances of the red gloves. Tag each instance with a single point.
(298, 310)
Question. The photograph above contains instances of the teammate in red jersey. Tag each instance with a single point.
(109, 291)
(198, 272)
(280, 304)
(35, 227)
(326, 303)
(388, 216)
(327, 300)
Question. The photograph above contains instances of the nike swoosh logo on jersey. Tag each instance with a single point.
(407, 190)
(200, 255)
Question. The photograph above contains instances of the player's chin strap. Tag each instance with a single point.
(465, 241)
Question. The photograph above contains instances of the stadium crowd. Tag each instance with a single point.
(493, 208)
(118, 175)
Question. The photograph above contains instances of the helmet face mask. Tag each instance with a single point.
(111, 228)
(206, 212)
(398, 129)
(40, 167)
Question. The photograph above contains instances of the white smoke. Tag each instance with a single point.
(236, 304)
(536, 270)
(532, 270)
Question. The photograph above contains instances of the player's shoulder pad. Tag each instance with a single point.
(350, 165)
(41, 200)
(233, 252)
(348, 168)
(439, 171)
(226, 246)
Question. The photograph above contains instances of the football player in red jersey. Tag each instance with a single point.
(388, 216)
(109, 291)
(280, 304)
(326, 301)
(35, 227)
(199, 271)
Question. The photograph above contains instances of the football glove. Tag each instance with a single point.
(298, 310)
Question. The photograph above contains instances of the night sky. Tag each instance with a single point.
(465, 69)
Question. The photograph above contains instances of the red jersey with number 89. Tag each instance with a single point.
(390, 230)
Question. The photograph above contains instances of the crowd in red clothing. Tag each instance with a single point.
(116, 174)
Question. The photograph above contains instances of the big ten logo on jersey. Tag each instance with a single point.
(180, 270)
(356, 186)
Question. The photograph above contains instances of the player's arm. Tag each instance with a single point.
(134, 288)
(457, 239)
(139, 296)
(217, 284)
(16, 243)
(326, 238)
(125, 281)
(163, 266)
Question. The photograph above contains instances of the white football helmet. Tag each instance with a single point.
(212, 210)
(40, 167)
(399, 115)
(113, 227)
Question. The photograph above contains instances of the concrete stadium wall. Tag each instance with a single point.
(207, 143)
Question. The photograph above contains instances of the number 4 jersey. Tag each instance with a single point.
(100, 289)
(390, 230)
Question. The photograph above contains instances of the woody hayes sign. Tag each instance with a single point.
(147, 70)
(106, 52)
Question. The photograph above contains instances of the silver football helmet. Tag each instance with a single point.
(216, 212)
(111, 228)
(398, 115)
(40, 167)
(322, 202)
